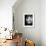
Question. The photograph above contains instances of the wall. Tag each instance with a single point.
(6, 13)
(29, 6)
(43, 22)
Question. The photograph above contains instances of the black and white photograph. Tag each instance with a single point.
(28, 20)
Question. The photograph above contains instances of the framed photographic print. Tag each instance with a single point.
(28, 20)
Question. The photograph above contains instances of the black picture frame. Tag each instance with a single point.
(28, 20)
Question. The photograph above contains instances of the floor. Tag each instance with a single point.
(9, 43)
(12, 42)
